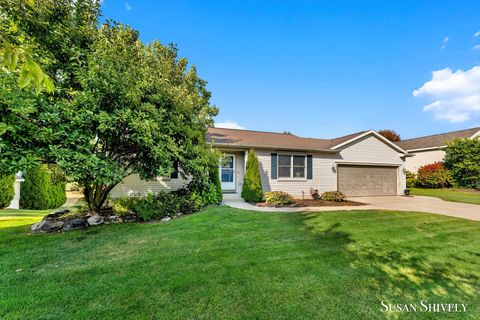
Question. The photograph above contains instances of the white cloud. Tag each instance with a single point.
(228, 125)
(477, 47)
(127, 6)
(456, 94)
(445, 42)
(477, 34)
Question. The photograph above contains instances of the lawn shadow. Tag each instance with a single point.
(410, 271)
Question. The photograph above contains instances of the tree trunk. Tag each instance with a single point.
(96, 195)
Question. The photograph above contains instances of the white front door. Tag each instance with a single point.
(227, 172)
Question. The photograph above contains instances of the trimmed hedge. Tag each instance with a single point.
(7, 191)
(252, 184)
(42, 189)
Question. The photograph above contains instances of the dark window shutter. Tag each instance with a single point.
(175, 172)
(274, 165)
(309, 167)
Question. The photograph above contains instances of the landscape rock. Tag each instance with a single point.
(55, 215)
(112, 219)
(128, 218)
(95, 220)
(46, 226)
(75, 224)
(165, 219)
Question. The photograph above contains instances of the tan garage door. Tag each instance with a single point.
(367, 180)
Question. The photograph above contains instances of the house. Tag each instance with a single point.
(359, 164)
(429, 149)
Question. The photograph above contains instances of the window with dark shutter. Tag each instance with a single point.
(309, 167)
(274, 166)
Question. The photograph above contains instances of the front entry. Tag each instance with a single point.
(227, 172)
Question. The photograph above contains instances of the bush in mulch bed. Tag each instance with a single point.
(327, 199)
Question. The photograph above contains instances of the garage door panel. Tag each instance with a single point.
(367, 180)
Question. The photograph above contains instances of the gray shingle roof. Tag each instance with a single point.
(436, 140)
(261, 139)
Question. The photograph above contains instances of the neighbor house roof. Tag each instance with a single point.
(436, 140)
(272, 140)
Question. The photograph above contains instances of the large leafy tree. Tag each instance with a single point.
(462, 158)
(121, 107)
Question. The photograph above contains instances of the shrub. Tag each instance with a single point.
(278, 198)
(334, 196)
(462, 158)
(43, 188)
(411, 179)
(252, 184)
(7, 191)
(434, 175)
(159, 205)
(205, 189)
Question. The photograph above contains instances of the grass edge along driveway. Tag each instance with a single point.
(454, 195)
(225, 263)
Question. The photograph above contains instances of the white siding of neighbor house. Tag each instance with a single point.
(134, 186)
(422, 158)
(368, 150)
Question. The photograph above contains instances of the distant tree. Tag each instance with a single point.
(252, 185)
(287, 132)
(462, 158)
(390, 135)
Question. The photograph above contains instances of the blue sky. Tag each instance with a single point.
(326, 68)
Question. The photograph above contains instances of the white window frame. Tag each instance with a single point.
(291, 177)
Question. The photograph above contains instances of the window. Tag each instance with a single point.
(291, 166)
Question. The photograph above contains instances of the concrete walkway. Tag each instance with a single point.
(398, 203)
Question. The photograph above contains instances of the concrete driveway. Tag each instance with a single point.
(397, 203)
(422, 204)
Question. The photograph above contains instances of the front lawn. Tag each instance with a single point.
(466, 196)
(227, 263)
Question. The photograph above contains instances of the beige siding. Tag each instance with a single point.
(367, 150)
(134, 186)
(422, 158)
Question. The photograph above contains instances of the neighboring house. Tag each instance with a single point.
(429, 149)
(360, 164)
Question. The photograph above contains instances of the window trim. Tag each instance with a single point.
(291, 177)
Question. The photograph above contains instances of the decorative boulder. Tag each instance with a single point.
(46, 226)
(75, 224)
(55, 215)
(95, 220)
(112, 219)
(165, 219)
(128, 218)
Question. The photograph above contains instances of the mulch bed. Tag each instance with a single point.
(313, 203)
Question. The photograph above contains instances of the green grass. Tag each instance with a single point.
(226, 263)
(14, 218)
(464, 196)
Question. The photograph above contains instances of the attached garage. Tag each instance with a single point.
(365, 180)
